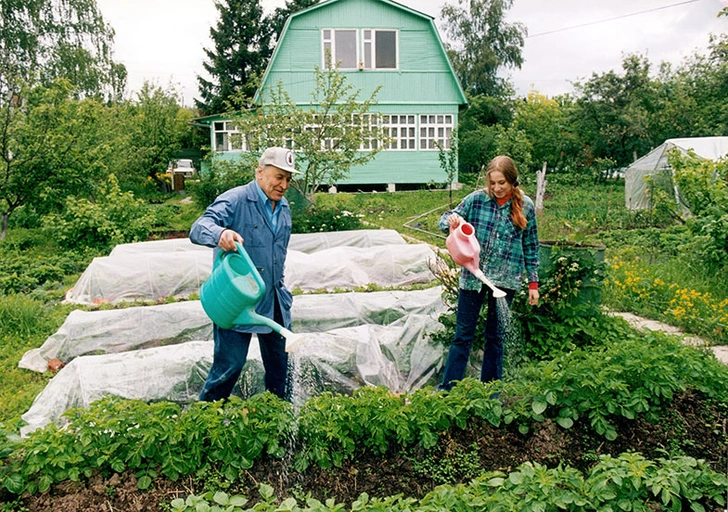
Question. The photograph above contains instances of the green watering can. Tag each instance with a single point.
(232, 291)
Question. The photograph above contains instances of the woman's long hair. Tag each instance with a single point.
(507, 167)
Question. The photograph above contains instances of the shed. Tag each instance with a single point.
(654, 164)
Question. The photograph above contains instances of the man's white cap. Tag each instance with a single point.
(282, 158)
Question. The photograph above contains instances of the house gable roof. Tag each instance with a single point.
(429, 20)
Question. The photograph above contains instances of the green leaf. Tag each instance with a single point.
(539, 405)
(144, 482)
(565, 422)
(221, 498)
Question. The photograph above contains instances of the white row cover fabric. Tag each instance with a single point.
(351, 267)
(154, 276)
(143, 276)
(303, 242)
(637, 195)
(134, 328)
(313, 242)
(399, 355)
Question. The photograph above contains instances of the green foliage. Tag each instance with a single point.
(327, 134)
(453, 466)
(115, 218)
(54, 148)
(241, 49)
(152, 129)
(704, 186)
(25, 322)
(221, 176)
(628, 377)
(44, 41)
(482, 44)
(24, 272)
(641, 376)
(568, 315)
(628, 482)
(685, 294)
(150, 439)
(317, 220)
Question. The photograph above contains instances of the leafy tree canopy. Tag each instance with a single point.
(482, 43)
(41, 40)
(241, 51)
(327, 135)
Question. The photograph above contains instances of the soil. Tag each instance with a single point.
(691, 426)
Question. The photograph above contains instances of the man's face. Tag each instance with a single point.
(273, 181)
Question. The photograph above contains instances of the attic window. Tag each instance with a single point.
(339, 48)
(380, 49)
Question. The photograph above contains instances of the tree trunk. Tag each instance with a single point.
(4, 226)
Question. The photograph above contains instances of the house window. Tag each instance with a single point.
(401, 130)
(340, 48)
(371, 126)
(228, 137)
(380, 49)
(435, 130)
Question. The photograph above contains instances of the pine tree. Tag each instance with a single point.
(241, 50)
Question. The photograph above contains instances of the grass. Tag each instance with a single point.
(25, 323)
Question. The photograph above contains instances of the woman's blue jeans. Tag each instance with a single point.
(231, 353)
(469, 304)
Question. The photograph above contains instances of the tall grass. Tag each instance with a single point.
(25, 323)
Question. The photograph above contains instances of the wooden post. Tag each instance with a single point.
(540, 187)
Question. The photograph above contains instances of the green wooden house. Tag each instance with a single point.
(375, 43)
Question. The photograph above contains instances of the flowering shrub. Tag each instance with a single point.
(632, 286)
(317, 220)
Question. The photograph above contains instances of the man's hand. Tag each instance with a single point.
(228, 239)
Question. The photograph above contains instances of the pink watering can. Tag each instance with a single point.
(232, 291)
(465, 251)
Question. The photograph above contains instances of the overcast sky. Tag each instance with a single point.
(162, 41)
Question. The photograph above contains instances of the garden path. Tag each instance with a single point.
(720, 351)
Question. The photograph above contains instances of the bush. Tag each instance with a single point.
(117, 217)
(221, 176)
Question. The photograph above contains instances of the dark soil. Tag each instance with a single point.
(691, 427)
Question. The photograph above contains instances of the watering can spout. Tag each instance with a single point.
(250, 317)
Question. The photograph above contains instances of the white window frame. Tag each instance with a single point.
(329, 42)
(435, 129)
(369, 48)
(227, 137)
(402, 128)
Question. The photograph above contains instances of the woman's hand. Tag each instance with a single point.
(228, 239)
(454, 220)
(533, 297)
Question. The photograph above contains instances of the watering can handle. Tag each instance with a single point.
(222, 252)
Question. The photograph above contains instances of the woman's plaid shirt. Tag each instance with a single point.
(505, 250)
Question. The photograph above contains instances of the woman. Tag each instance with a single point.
(504, 219)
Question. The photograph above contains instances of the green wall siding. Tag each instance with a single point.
(424, 75)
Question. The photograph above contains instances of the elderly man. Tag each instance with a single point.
(256, 215)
